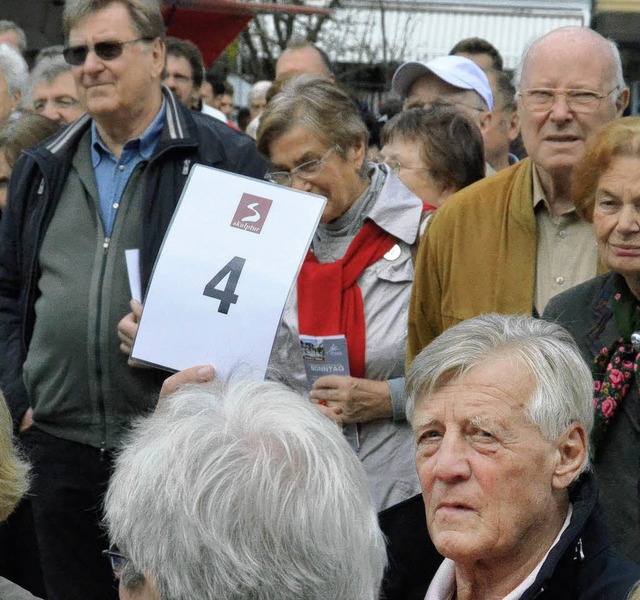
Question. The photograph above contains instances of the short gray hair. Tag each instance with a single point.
(146, 17)
(564, 387)
(244, 491)
(46, 70)
(616, 60)
(14, 69)
(6, 25)
(319, 105)
(259, 90)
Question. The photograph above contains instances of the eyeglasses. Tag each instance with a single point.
(116, 559)
(396, 167)
(579, 101)
(107, 50)
(305, 171)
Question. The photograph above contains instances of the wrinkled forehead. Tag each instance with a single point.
(590, 58)
(504, 378)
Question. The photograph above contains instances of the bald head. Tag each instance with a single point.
(559, 64)
(299, 59)
(573, 41)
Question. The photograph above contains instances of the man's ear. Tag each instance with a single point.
(572, 452)
(622, 102)
(159, 51)
(484, 120)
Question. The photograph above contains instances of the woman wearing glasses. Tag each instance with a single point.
(356, 280)
(435, 151)
(603, 316)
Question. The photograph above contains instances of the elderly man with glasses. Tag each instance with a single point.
(511, 242)
(108, 182)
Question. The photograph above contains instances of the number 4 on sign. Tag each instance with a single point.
(226, 296)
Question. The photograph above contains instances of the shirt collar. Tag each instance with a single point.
(145, 144)
(539, 196)
(443, 584)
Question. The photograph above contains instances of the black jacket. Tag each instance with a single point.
(583, 565)
(36, 185)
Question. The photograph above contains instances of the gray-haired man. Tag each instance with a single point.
(501, 408)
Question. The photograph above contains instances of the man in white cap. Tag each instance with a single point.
(452, 80)
(509, 243)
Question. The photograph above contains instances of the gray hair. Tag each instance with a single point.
(146, 17)
(244, 491)
(564, 387)
(259, 90)
(319, 105)
(46, 70)
(616, 61)
(6, 25)
(14, 68)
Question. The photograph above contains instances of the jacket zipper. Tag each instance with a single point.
(97, 348)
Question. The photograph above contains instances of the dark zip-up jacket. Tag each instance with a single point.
(37, 182)
(583, 565)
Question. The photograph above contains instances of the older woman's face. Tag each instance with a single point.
(616, 216)
(338, 178)
(403, 156)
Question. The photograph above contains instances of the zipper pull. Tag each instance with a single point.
(185, 167)
(578, 553)
(41, 187)
(105, 244)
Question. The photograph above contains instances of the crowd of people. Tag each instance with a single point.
(479, 250)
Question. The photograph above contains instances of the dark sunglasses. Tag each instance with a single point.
(107, 50)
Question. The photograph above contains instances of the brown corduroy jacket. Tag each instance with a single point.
(478, 256)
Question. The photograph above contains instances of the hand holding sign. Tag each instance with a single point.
(224, 272)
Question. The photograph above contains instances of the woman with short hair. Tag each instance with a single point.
(435, 151)
(355, 281)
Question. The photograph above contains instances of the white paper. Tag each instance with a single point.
(180, 325)
(133, 271)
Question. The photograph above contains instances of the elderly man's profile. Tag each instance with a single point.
(501, 408)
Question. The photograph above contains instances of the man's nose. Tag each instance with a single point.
(451, 459)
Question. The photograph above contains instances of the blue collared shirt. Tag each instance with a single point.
(112, 174)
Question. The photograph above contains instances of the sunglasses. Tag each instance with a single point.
(107, 50)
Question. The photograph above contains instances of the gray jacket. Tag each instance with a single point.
(386, 446)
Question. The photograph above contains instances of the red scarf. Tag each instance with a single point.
(330, 300)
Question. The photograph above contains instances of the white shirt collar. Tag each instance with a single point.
(443, 584)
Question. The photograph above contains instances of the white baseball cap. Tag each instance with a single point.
(457, 71)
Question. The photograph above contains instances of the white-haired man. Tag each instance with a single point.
(267, 500)
(509, 243)
(501, 409)
(13, 81)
